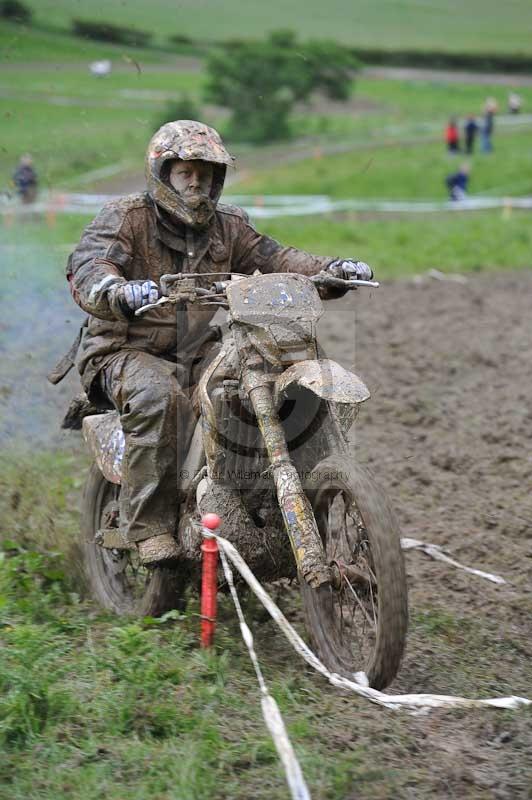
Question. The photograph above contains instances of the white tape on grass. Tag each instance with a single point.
(277, 206)
(411, 702)
(270, 709)
(436, 552)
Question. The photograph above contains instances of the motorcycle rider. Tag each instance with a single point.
(146, 365)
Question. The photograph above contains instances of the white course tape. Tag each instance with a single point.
(270, 709)
(275, 206)
(436, 552)
(411, 702)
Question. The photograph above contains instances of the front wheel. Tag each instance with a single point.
(358, 622)
(116, 579)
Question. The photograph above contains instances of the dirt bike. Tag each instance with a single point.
(270, 454)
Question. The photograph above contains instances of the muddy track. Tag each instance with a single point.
(448, 433)
(449, 425)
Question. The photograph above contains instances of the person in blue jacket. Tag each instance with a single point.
(470, 131)
(490, 109)
(457, 183)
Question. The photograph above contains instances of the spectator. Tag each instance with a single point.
(457, 183)
(470, 133)
(514, 103)
(25, 180)
(452, 136)
(490, 110)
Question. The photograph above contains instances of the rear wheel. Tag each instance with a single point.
(359, 621)
(116, 579)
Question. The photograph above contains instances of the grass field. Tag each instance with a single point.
(99, 122)
(393, 130)
(19, 43)
(89, 123)
(400, 247)
(396, 247)
(414, 171)
(478, 25)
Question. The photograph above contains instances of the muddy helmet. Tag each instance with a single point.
(188, 141)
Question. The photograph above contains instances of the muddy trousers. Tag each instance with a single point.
(157, 420)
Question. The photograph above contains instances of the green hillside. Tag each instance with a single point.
(451, 25)
(22, 44)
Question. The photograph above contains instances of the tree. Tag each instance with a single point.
(332, 68)
(260, 82)
(15, 11)
(183, 108)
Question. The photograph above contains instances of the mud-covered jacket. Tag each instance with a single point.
(129, 240)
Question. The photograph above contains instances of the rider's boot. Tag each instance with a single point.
(158, 549)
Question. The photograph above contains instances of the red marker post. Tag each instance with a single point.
(209, 579)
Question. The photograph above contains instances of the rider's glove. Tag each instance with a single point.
(350, 270)
(133, 295)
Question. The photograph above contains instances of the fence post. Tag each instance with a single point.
(209, 579)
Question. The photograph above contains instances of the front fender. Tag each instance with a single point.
(326, 379)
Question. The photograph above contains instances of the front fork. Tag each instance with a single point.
(295, 507)
(297, 512)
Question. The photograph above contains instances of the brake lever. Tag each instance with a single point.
(323, 279)
(355, 283)
(194, 293)
(160, 302)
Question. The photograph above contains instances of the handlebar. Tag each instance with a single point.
(217, 293)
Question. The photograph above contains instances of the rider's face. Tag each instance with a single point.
(191, 177)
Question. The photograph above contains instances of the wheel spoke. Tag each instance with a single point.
(333, 542)
(360, 604)
(355, 629)
(373, 607)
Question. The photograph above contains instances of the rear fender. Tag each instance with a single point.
(105, 440)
